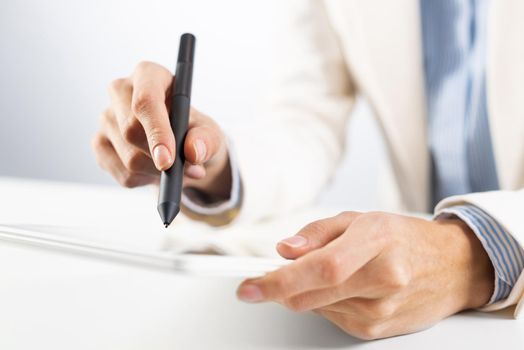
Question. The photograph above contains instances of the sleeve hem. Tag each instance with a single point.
(504, 252)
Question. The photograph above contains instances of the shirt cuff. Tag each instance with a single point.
(505, 253)
(198, 205)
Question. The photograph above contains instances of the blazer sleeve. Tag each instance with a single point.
(289, 152)
(507, 208)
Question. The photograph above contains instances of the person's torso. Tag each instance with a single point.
(383, 46)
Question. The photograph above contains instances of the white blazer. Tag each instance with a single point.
(333, 50)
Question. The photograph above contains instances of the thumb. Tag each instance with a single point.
(315, 235)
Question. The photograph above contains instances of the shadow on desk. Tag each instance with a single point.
(261, 326)
(288, 330)
(271, 326)
(308, 330)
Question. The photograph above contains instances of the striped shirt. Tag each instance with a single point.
(454, 40)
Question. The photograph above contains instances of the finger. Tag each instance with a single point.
(381, 278)
(322, 268)
(133, 159)
(204, 139)
(361, 285)
(368, 309)
(108, 160)
(315, 235)
(372, 319)
(195, 172)
(202, 142)
(319, 298)
(150, 84)
(121, 93)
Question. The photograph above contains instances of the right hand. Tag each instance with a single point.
(135, 141)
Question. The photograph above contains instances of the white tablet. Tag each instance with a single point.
(201, 264)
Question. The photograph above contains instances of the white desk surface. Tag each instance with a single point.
(51, 300)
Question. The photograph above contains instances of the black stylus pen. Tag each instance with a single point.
(171, 179)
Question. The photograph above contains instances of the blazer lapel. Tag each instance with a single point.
(382, 43)
(505, 84)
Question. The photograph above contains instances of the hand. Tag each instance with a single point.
(135, 141)
(377, 275)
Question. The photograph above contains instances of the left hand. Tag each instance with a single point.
(377, 275)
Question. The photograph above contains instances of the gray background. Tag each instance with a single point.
(57, 58)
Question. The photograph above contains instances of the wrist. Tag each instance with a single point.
(471, 266)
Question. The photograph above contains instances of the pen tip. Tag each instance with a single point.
(166, 224)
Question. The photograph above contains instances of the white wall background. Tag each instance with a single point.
(57, 58)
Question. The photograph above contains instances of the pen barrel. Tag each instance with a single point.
(183, 79)
(171, 179)
(186, 49)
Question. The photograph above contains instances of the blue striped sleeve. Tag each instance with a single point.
(505, 253)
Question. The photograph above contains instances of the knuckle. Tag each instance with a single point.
(348, 214)
(370, 332)
(155, 135)
(380, 219)
(398, 276)
(316, 227)
(133, 160)
(143, 66)
(297, 304)
(376, 216)
(279, 288)
(143, 103)
(98, 144)
(380, 225)
(128, 179)
(116, 85)
(293, 304)
(331, 271)
(105, 116)
(381, 310)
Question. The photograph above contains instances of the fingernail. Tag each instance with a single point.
(162, 157)
(250, 293)
(294, 241)
(200, 150)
